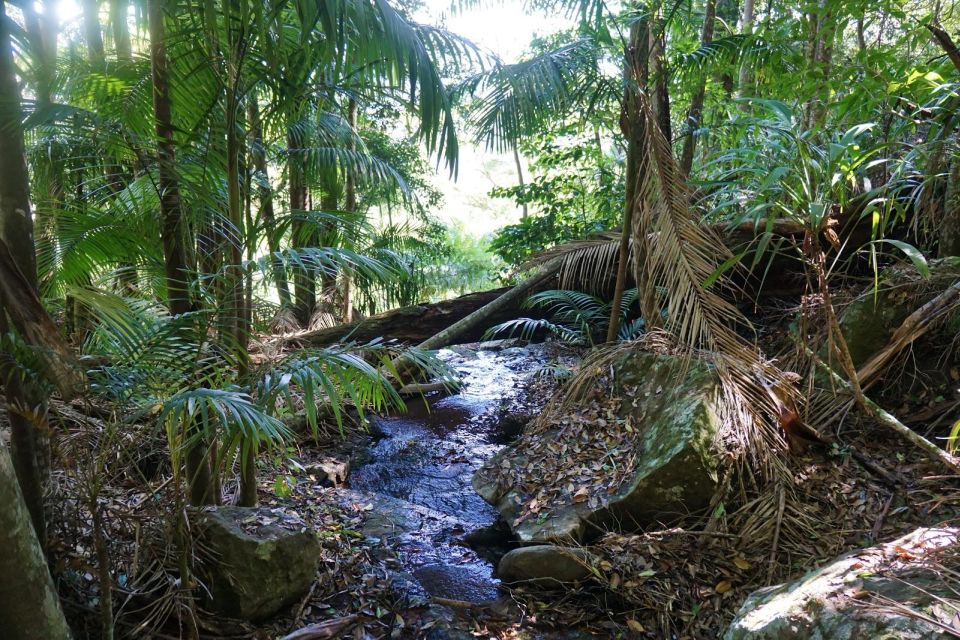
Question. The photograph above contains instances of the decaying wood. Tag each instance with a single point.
(428, 387)
(24, 308)
(459, 604)
(411, 325)
(484, 317)
(916, 325)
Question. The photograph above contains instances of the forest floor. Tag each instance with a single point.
(379, 580)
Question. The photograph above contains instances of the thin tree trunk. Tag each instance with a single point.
(113, 170)
(822, 33)
(304, 285)
(237, 330)
(746, 28)
(635, 75)
(861, 39)
(516, 159)
(350, 205)
(42, 31)
(695, 114)
(329, 203)
(171, 223)
(265, 194)
(121, 30)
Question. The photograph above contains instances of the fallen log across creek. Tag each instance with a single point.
(465, 319)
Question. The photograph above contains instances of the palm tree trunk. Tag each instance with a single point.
(91, 28)
(820, 54)
(116, 180)
(121, 30)
(636, 75)
(746, 28)
(16, 232)
(658, 77)
(173, 233)
(350, 205)
(304, 285)
(329, 202)
(265, 193)
(516, 160)
(695, 113)
(237, 284)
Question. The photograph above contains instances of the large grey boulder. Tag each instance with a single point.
(671, 408)
(545, 563)
(253, 566)
(862, 595)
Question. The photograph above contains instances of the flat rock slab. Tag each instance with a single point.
(880, 593)
(254, 570)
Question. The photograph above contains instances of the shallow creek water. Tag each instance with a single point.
(417, 476)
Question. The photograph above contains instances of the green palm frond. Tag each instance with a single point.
(210, 410)
(576, 317)
(519, 99)
(329, 260)
(357, 165)
(407, 57)
(528, 328)
(335, 377)
(751, 49)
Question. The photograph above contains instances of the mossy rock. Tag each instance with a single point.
(674, 407)
(252, 570)
(870, 320)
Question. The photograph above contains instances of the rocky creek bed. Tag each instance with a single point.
(415, 483)
(407, 547)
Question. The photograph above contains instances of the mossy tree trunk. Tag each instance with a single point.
(16, 232)
(29, 607)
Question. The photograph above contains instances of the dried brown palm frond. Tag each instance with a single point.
(586, 265)
(676, 267)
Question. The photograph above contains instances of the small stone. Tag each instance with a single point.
(545, 563)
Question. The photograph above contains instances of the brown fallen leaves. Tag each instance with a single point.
(582, 457)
